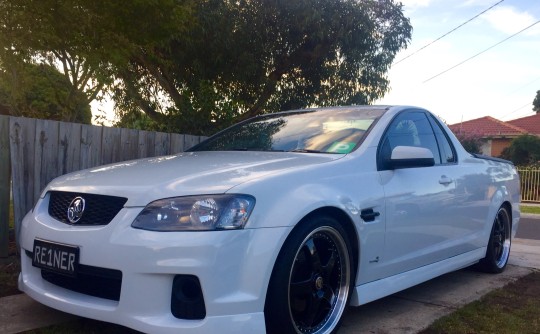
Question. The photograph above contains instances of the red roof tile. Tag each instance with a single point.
(531, 123)
(487, 127)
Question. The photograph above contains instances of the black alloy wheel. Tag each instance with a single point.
(498, 249)
(311, 283)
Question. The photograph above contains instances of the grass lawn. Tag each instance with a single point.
(529, 209)
(512, 309)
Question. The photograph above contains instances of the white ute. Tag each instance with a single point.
(274, 225)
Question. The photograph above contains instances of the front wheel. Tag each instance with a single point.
(311, 281)
(498, 249)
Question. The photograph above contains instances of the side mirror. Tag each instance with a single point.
(410, 156)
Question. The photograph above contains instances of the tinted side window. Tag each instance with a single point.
(445, 146)
(409, 129)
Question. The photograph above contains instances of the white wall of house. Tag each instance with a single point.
(486, 147)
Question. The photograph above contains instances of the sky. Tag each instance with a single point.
(501, 82)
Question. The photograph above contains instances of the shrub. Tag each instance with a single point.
(523, 150)
(471, 141)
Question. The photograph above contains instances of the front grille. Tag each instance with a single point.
(99, 209)
(93, 281)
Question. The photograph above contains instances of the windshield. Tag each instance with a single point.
(337, 130)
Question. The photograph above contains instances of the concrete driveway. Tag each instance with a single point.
(416, 308)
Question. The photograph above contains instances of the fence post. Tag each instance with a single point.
(5, 185)
(22, 134)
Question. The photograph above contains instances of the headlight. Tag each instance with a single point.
(196, 213)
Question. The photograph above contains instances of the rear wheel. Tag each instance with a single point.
(498, 250)
(311, 282)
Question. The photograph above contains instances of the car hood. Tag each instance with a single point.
(192, 173)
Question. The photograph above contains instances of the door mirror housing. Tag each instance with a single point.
(410, 157)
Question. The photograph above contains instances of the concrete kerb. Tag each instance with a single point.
(530, 215)
(529, 204)
(408, 311)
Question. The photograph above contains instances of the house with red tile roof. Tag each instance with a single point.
(497, 135)
(530, 123)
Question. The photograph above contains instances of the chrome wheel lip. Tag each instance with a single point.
(338, 307)
(503, 233)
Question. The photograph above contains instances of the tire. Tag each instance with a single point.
(498, 249)
(311, 283)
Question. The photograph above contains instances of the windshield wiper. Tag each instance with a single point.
(255, 149)
(303, 150)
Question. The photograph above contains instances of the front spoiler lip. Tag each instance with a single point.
(158, 324)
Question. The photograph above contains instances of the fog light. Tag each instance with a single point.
(187, 301)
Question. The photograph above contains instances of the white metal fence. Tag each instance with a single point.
(530, 184)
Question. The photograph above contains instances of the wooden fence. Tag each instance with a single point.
(4, 185)
(40, 150)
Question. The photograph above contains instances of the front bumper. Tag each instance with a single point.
(233, 267)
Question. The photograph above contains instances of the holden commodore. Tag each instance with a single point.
(274, 225)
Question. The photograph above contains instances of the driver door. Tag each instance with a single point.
(419, 200)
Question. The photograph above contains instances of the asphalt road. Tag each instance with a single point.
(529, 228)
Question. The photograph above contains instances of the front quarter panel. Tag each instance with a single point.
(350, 185)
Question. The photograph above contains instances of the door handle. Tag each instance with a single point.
(368, 215)
(445, 180)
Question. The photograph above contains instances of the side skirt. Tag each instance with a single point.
(371, 291)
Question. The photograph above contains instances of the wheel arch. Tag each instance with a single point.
(501, 198)
(508, 206)
(499, 241)
(348, 225)
(340, 218)
(344, 220)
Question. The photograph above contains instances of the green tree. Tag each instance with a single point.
(197, 66)
(524, 150)
(245, 58)
(536, 102)
(41, 91)
(88, 39)
(42, 31)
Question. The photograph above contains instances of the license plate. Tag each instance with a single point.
(56, 257)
